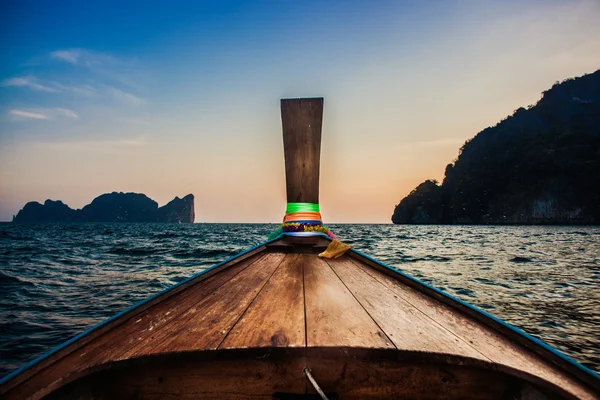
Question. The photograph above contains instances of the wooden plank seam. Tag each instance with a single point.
(252, 301)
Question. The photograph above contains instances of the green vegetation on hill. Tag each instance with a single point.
(539, 165)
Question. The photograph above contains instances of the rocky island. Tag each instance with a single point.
(540, 165)
(110, 207)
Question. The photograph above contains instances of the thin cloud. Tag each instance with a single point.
(100, 64)
(124, 97)
(43, 113)
(84, 57)
(27, 114)
(30, 82)
(112, 92)
(65, 112)
(85, 90)
(103, 71)
(34, 83)
(129, 142)
(70, 56)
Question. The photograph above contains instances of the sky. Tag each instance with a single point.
(173, 98)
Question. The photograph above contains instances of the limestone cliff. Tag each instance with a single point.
(539, 166)
(177, 210)
(110, 207)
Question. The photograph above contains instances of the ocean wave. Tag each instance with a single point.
(166, 235)
(6, 280)
(56, 282)
(430, 257)
(134, 251)
(519, 259)
(201, 253)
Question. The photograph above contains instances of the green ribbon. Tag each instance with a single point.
(301, 207)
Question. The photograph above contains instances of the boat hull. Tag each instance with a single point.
(248, 328)
(345, 373)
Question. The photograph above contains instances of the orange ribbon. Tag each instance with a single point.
(302, 216)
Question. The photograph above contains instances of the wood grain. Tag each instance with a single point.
(302, 120)
(370, 379)
(205, 325)
(520, 360)
(406, 326)
(217, 379)
(115, 324)
(342, 310)
(333, 316)
(114, 344)
(276, 317)
(133, 333)
(254, 378)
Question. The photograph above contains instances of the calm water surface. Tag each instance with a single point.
(60, 279)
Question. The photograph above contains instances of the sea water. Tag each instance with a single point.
(57, 280)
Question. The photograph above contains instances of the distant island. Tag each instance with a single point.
(110, 207)
(539, 166)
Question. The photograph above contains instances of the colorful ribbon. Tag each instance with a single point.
(302, 218)
(301, 207)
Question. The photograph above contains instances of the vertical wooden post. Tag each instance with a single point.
(302, 120)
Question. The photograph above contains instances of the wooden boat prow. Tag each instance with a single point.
(249, 327)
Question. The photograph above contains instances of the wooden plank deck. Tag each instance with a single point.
(280, 309)
(278, 299)
(334, 318)
(206, 324)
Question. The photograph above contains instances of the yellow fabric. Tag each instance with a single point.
(335, 249)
